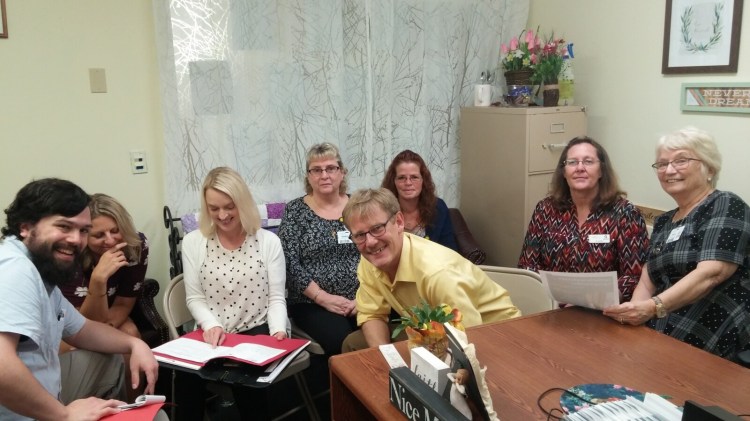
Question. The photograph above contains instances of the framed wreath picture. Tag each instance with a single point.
(3, 21)
(701, 36)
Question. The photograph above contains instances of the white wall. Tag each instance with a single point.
(52, 125)
(618, 53)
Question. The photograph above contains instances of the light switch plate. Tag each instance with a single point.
(98, 81)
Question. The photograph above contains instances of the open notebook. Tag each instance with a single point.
(190, 351)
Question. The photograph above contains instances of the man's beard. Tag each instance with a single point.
(52, 271)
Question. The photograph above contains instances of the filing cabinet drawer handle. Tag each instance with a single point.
(557, 128)
(553, 146)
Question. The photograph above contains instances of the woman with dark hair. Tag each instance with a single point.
(586, 224)
(695, 286)
(425, 214)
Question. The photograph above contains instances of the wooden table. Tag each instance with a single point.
(558, 348)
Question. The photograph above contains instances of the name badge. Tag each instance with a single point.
(343, 237)
(599, 238)
(675, 234)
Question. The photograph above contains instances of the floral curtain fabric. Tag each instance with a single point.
(253, 83)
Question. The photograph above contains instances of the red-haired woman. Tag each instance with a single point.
(425, 214)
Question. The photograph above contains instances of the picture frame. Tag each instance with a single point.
(701, 37)
(3, 21)
(717, 97)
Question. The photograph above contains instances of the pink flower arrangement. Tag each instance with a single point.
(549, 61)
(521, 53)
(528, 52)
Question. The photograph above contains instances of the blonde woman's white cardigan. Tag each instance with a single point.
(193, 257)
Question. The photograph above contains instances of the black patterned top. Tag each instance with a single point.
(717, 229)
(313, 253)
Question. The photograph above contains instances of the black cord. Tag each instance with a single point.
(551, 413)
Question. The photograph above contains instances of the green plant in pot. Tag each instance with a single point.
(547, 69)
(424, 326)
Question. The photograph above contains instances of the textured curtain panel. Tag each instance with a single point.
(253, 83)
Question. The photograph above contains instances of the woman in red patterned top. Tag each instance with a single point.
(586, 224)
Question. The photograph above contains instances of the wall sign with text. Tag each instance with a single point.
(716, 97)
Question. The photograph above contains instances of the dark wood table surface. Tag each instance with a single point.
(558, 348)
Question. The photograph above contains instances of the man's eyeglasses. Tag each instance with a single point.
(405, 178)
(376, 231)
(678, 164)
(572, 163)
(317, 172)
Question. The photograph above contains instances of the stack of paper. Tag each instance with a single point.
(190, 351)
(653, 408)
(597, 290)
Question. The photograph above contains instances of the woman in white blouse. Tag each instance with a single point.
(234, 274)
(234, 270)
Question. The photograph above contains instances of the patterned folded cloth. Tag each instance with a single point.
(270, 217)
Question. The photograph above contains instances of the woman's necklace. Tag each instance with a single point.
(411, 220)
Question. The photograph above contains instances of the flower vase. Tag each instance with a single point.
(435, 341)
(550, 95)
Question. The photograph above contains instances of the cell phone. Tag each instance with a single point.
(143, 400)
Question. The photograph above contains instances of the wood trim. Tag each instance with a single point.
(649, 214)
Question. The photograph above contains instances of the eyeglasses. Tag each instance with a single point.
(678, 164)
(317, 172)
(572, 163)
(405, 178)
(376, 231)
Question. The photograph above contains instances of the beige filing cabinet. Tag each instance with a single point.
(508, 156)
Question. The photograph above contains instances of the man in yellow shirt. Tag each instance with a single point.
(401, 269)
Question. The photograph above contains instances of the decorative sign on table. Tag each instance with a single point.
(716, 97)
(464, 397)
(430, 369)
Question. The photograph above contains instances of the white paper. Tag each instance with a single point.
(144, 400)
(198, 351)
(391, 355)
(628, 409)
(278, 366)
(597, 290)
(665, 409)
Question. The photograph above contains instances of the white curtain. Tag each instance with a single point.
(252, 84)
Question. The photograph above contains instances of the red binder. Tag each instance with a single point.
(191, 351)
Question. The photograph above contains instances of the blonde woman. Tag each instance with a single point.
(234, 274)
(114, 266)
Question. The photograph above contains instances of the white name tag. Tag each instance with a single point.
(599, 238)
(343, 237)
(675, 234)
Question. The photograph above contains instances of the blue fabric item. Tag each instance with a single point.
(441, 228)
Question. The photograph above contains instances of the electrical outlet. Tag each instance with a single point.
(138, 162)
